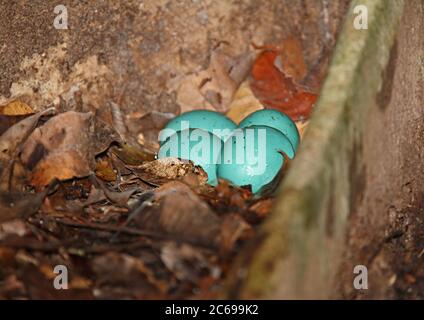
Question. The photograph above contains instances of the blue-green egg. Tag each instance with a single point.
(252, 156)
(199, 146)
(210, 121)
(274, 119)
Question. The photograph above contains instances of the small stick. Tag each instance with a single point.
(121, 229)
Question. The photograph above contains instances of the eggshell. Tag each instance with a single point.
(199, 146)
(207, 120)
(274, 119)
(251, 156)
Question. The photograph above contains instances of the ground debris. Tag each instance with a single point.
(124, 224)
(168, 233)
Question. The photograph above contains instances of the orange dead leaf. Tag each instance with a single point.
(63, 166)
(276, 90)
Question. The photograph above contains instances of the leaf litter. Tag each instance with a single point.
(75, 190)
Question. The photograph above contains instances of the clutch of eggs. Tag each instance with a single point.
(248, 155)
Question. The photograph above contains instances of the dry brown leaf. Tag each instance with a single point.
(213, 88)
(102, 135)
(63, 165)
(15, 135)
(190, 220)
(65, 147)
(118, 197)
(61, 149)
(244, 103)
(96, 195)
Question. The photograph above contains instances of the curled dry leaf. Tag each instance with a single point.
(160, 171)
(276, 90)
(102, 135)
(118, 120)
(132, 155)
(59, 149)
(118, 197)
(65, 147)
(104, 170)
(96, 195)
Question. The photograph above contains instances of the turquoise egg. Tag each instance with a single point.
(251, 156)
(211, 121)
(199, 146)
(274, 119)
